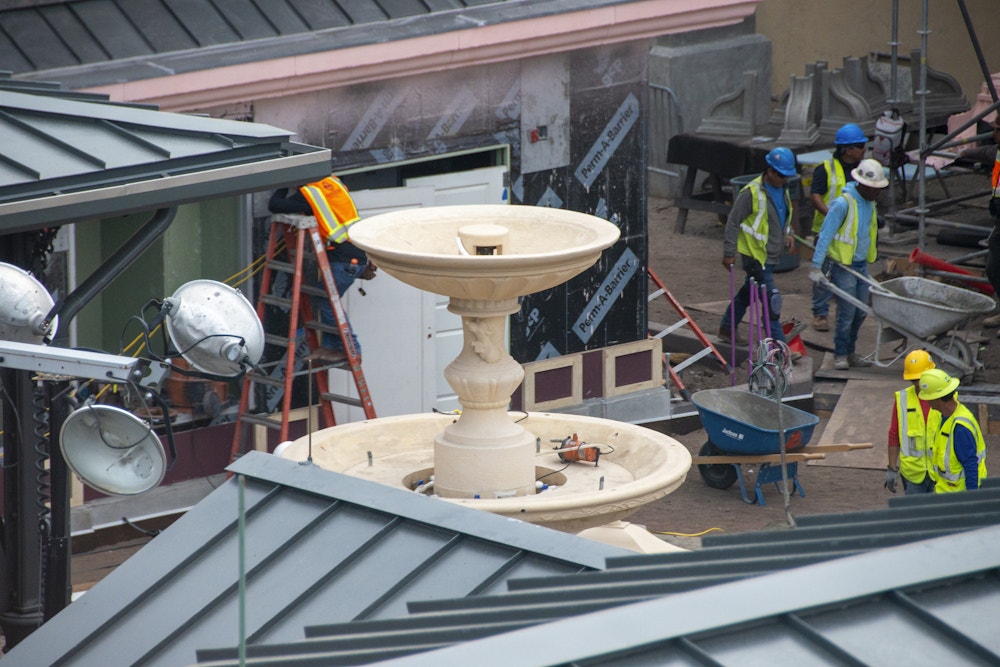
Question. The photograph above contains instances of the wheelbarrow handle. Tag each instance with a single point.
(850, 298)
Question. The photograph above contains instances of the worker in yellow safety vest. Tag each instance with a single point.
(329, 201)
(958, 449)
(846, 245)
(913, 423)
(759, 230)
(828, 181)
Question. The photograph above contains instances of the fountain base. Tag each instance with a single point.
(637, 465)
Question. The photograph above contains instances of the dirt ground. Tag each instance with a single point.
(689, 264)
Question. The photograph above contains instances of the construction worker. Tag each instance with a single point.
(993, 244)
(958, 451)
(828, 181)
(759, 227)
(848, 236)
(912, 421)
(331, 204)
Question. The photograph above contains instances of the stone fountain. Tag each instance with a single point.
(484, 258)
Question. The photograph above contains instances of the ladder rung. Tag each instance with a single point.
(262, 420)
(285, 267)
(319, 326)
(340, 398)
(275, 339)
(272, 300)
(673, 327)
(659, 292)
(314, 290)
(694, 358)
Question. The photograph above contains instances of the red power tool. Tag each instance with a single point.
(573, 449)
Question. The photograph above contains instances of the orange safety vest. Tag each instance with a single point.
(333, 207)
(996, 175)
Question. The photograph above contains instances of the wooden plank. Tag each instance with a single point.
(862, 415)
(751, 459)
(842, 447)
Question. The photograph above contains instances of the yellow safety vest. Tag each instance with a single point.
(835, 182)
(843, 242)
(752, 240)
(333, 207)
(914, 435)
(949, 472)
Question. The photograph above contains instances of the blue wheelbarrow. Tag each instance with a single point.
(745, 428)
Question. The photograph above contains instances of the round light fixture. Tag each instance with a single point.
(214, 327)
(112, 450)
(24, 303)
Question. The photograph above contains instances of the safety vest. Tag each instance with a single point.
(914, 454)
(333, 207)
(752, 240)
(949, 472)
(843, 242)
(996, 176)
(835, 182)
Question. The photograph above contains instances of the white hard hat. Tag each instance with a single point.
(871, 173)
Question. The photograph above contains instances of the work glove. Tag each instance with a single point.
(816, 275)
(891, 478)
(995, 207)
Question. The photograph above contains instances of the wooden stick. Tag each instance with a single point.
(792, 457)
(842, 447)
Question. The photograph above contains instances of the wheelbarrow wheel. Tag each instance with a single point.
(963, 351)
(719, 475)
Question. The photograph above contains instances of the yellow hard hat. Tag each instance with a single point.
(917, 362)
(935, 383)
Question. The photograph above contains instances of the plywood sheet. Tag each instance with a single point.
(862, 415)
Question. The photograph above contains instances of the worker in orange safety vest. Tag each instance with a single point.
(329, 201)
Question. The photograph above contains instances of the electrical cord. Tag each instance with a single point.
(707, 530)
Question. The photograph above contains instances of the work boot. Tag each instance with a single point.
(820, 323)
(841, 363)
(724, 334)
(857, 361)
(993, 321)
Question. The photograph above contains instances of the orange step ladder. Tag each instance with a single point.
(301, 238)
(707, 347)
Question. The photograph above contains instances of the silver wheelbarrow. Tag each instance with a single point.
(921, 310)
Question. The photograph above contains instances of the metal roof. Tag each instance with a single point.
(88, 43)
(320, 547)
(930, 602)
(67, 157)
(635, 579)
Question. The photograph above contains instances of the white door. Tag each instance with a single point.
(407, 336)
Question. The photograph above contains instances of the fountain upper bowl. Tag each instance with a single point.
(545, 247)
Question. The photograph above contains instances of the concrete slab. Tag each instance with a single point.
(862, 415)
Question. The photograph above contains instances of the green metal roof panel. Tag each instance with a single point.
(69, 156)
(320, 547)
(635, 579)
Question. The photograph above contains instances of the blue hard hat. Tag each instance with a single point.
(782, 161)
(850, 134)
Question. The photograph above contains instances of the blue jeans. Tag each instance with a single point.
(849, 316)
(821, 295)
(741, 302)
(913, 489)
(344, 275)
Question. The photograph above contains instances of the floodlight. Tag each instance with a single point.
(112, 450)
(24, 303)
(214, 327)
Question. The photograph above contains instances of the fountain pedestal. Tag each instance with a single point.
(484, 454)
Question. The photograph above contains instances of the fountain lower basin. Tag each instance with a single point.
(637, 465)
